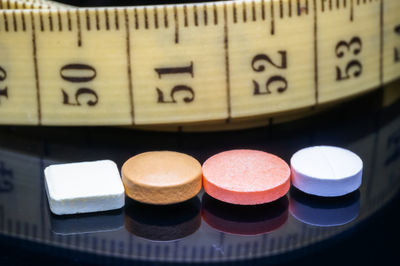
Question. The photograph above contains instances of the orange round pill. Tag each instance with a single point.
(246, 177)
(161, 177)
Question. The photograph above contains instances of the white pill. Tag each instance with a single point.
(326, 171)
(84, 187)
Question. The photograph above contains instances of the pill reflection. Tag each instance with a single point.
(321, 211)
(87, 223)
(163, 223)
(245, 220)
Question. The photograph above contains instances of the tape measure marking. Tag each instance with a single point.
(128, 54)
(79, 30)
(381, 14)
(35, 64)
(316, 84)
(227, 73)
(282, 62)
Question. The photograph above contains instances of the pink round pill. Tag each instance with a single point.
(246, 177)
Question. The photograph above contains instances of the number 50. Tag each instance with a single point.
(79, 73)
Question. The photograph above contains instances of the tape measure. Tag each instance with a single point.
(220, 63)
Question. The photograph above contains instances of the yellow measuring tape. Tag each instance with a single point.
(219, 62)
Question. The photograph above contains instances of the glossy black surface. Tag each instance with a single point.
(202, 229)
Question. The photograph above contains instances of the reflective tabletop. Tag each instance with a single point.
(201, 229)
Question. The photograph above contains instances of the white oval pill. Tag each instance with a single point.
(326, 171)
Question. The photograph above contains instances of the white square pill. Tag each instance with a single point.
(84, 187)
